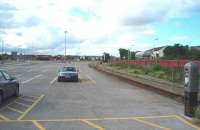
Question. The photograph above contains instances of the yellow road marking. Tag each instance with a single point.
(38, 125)
(151, 124)
(31, 107)
(96, 119)
(148, 117)
(35, 97)
(22, 104)
(91, 79)
(4, 118)
(13, 109)
(93, 125)
(188, 123)
(25, 99)
(88, 121)
(7, 105)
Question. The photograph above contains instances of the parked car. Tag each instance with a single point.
(68, 74)
(9, 86)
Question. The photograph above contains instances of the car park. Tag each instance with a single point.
(9, 86)
(68, 74)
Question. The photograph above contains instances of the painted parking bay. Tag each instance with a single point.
(169, 122)
(19, 107)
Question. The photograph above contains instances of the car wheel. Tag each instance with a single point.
(17, 92)
(1, 98)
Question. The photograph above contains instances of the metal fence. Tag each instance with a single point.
(178, 64)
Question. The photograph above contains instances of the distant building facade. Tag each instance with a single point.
(153, 53)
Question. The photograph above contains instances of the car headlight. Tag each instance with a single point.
(61, 74)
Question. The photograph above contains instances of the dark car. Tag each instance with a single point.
(68, 74)
(9, 86)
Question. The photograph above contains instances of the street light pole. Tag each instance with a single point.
(2, 50)
(154, 46)
(129, 52)
(2, 47)
(65, 42)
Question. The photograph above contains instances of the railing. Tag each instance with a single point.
(164, 63)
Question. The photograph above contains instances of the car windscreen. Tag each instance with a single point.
(69, 69)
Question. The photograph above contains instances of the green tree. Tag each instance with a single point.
(194, 54)
(177, 51)
(132, 55)
(123, 54)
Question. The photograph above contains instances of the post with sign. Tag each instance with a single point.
(191, 88)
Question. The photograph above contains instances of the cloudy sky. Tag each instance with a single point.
(97, 26)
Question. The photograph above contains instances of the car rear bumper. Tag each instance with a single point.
(63, 78)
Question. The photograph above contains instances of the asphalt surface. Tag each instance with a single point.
(97, 101)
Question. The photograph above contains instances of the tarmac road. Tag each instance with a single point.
(97, 101)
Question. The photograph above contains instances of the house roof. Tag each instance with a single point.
(157, 48)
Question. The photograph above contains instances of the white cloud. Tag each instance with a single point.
(180, 38)
(102, 25)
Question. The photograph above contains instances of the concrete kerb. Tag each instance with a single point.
(142, 83)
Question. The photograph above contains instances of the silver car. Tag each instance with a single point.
(68, 74)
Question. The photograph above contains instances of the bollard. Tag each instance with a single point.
(191, 88)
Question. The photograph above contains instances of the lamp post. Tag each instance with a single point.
(156, 39)
(65, 42)
(2, 51)
(129, 52)
(2, 47)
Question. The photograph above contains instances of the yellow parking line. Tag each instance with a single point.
(28, 100)
(4, 118)
(31, 97)
(148, 117)
(99, 119)
(91, 79)
(38, 125)
(92, 124)
(188, 123)
(130, 118)
(22, 104)
(151, 124)
(31, 107)
(13, 109)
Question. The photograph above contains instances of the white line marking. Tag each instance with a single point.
(52, 81)
(26, 81)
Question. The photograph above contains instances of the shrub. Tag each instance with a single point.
(156, 67)
(197, 113)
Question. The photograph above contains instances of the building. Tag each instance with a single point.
(153, 53)
(158, 52)
(14, 55)
(143, 54)
(195, 47)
